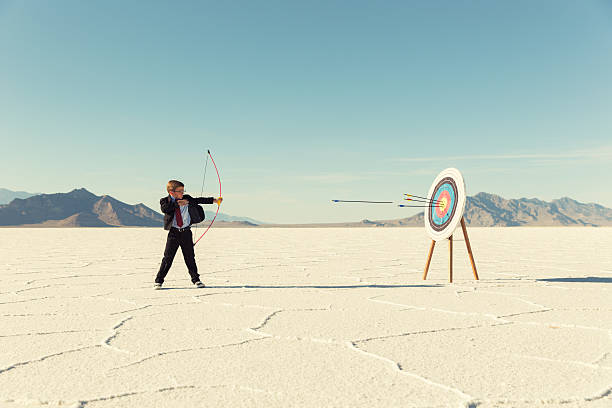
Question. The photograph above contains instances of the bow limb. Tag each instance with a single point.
(218, 205)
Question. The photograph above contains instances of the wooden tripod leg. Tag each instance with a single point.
(431, 249)
(469, 248)
(450, 258)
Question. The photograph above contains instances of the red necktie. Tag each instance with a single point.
(179, 218)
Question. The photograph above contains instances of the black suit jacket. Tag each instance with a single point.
(168, 207)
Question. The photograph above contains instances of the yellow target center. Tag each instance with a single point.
(443, 204)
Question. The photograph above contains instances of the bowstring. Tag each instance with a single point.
(195, 229)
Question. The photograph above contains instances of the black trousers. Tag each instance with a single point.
(175, 240)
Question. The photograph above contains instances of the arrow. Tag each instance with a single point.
(362, 201)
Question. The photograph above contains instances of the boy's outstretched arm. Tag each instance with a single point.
(205, 200)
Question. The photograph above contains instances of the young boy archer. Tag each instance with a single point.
(180, 211)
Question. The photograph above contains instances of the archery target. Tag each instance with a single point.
(447, 195)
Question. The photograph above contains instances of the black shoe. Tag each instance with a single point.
(200, 284)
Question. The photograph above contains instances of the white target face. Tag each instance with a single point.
(447, 199)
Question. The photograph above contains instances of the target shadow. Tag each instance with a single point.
(586, 279)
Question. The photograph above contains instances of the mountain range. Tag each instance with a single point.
(81, 208)
(78, 208)
(487, 210)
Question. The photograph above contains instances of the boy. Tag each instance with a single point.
(180, 211)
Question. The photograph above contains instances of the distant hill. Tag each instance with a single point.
(6, 196)
(231, 218)
(78, 208)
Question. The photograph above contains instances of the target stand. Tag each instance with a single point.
(445, 213)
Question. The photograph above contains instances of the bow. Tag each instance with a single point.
(218, 205)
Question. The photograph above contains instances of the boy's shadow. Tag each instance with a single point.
(435, 285)
(590, 279)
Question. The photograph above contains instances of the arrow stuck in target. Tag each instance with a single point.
(362, 201)
(420, 206)
(425, 204)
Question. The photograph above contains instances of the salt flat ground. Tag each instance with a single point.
(306, 317)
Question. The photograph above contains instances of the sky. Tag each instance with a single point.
(302, 102)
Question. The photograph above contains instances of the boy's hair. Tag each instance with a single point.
(173, 185)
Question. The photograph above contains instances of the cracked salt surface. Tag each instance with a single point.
(306, 317)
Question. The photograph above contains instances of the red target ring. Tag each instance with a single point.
(442, 205)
